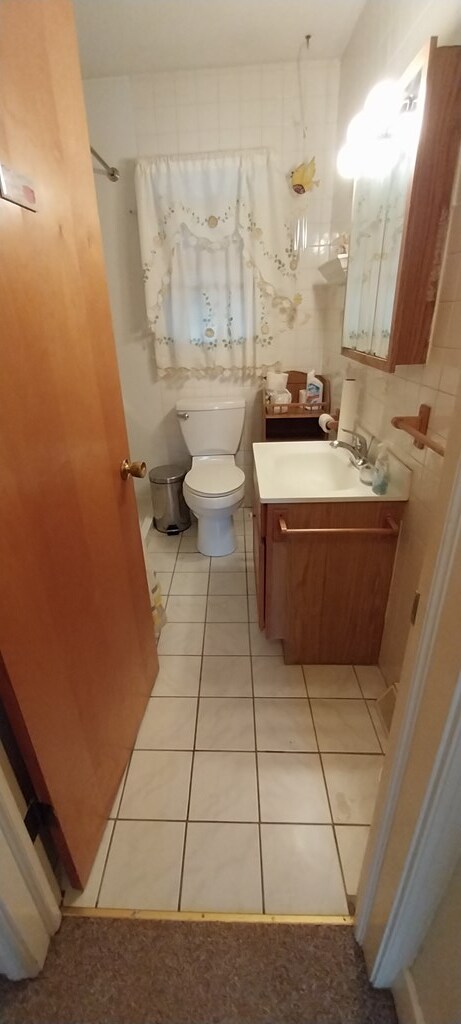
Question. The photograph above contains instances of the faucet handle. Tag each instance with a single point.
(359, 440)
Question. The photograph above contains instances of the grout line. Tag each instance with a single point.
(252, 821)
(368, 709)
(181, 879)
(375, 729)
(258, 791)
(366, 699)
(117, 818)
(261, 750)
(332, 823)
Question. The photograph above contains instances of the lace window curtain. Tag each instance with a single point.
(215, 246)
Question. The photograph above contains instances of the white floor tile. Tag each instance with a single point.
(164, 579)
(157, 541)
(229, 563)
(292, 789)
(251, 578)
(252, 608)
(192, 562)
(87, 898)
(228, 583)
(344, 726)
(186, 609)
(181, 638)
(226, 676)
(157, 785)
(189, 583)
(237, 562)
(284, 724)
(260, 645)
(224, 787)
(161, 561)
(225, 724)
(372, 682)
(118, 797)
(213, 875)
(144, 866)
(249, 537)
(378, 724)
(227, 609)
(188, 545)
(168, 724)
(331, 681)
(352, 783)
(179, 676)
(301, 870)
(226, 638)
(272, 678)
(352, 841)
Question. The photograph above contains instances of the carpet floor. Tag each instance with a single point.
(180, 972)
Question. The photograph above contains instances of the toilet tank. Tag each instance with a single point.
(211, 428)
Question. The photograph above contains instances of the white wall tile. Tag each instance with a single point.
(385, 39)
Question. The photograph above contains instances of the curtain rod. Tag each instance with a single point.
(112, 172)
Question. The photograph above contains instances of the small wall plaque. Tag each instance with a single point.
(17, 189)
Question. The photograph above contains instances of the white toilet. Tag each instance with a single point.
(214, 486)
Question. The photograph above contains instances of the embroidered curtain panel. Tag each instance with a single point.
(215, 246)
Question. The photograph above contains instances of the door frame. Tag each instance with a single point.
(29, 911)
(391, 939)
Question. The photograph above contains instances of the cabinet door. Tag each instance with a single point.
(334, 586)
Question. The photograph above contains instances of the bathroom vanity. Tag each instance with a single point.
(324, 549)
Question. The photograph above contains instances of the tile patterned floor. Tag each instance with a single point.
(252, 783)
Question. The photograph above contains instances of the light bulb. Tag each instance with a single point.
(346, 162)
(359, 129)
(382, 105)
(380, 157)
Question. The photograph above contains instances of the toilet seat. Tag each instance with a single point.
(214, 477)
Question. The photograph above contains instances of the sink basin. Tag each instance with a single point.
(291, 471)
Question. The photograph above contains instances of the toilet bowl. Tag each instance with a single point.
(214, 487)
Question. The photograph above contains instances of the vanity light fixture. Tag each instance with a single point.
(376, 135)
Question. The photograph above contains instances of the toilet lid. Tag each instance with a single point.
(214, 477)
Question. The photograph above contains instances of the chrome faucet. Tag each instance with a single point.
(358, 449)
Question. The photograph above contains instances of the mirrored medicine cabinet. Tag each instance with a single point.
(399, 220)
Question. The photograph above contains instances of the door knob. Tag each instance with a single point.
(128, 468)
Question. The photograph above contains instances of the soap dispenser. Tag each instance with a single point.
(381, 472)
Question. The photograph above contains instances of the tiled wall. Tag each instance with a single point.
(200, 111)
(387, 36)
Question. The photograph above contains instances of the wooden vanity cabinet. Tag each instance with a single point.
(325, 595)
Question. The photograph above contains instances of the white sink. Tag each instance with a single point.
(292, 471)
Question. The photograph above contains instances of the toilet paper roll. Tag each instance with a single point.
(348, 409)
(326, 422)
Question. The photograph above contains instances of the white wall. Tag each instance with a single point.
(387, 36)
(189, 112)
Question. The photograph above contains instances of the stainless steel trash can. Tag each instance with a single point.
(170, 512)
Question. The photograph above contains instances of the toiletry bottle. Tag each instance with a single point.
(381, 472)
(314, 389)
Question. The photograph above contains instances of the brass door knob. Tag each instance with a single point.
(128, 468)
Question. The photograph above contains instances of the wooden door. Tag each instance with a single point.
(76, 630)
